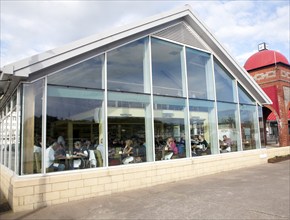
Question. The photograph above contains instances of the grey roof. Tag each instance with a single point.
(31, 65)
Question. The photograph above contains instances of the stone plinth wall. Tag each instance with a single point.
(6, 191)
(278, 151)
(35, 191)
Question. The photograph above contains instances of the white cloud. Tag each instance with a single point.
(30, 27)
(241, 58)
(241, 25)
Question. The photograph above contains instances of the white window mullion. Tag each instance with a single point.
(44, 121)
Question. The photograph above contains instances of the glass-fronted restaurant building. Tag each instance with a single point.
(164, 77)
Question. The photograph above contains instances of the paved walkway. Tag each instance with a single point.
(260, 192)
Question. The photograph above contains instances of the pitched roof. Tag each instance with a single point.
(28, 66)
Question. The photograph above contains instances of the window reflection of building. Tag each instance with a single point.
(249, 127)
(225, 84)
(203, 120)
(170, 121)
(167, 68)
(127, 120)
(199, 74)
(227, 124)
(124, 77)
(77, 117)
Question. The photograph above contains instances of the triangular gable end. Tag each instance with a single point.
(182, 33)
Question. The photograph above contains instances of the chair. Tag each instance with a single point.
(168, 156)
(37, 162)
(128, 160)
(99, 158)
(139, 154)
(206, 151)
(92, 159)
(78, 163)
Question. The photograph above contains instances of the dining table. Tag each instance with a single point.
(68, 160)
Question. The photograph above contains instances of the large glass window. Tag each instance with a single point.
(13, 137)
(128, 67)
(1, 137)
(87, 74)
(5, 143)
(249, 127)
(9, 140)
(228, 132)
(129, 124)
(75, 111)
(75, 121)
(202, 128)
(8, 134)
(244, 97)
(170, 124)
(262, 128)
(199, 74)
(18, 144)
(32, 123)
(225, 84)
(167, 68)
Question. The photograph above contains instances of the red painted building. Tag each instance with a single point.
(271, 70)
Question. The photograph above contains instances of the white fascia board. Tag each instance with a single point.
(40, 61)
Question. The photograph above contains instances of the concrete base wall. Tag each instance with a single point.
(35, 191)
(6, 190)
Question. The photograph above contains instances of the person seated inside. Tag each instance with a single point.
(51, 156)
(128, 149)
(139, 151)
(61, 150)
(37, 148)
(127, 152)
(60, 138)
(82, 151)
(194, 143)
(100, 148)
(201, 146)
(91, 160)
(226, 144)
(170, 147)
(88, 144)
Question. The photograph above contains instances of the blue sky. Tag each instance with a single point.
(32, 27)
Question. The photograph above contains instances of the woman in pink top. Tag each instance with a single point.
(171, 144)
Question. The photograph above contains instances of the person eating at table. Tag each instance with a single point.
(81, 151)
(202, 145)
(128, 149)
(226, 144)
(194, 143)
(51, 156)
(170, 147)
